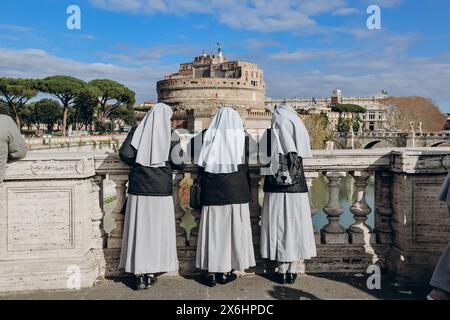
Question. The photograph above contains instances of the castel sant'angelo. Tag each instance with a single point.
(211, 81)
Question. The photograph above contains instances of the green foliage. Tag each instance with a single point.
(66, 89)
(348, 108)
(48, 112)
(111, 95)
(27, 116)
(123, 115)
(348, 125)
(318, 129)
(16, 93)
(4, 108)
(84, 108)
(101, 126)
(102, 103)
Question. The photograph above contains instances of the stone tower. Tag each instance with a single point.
(212, 81)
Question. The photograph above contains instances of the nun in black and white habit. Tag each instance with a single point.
(225, 234)
(287, 234)
(149, 236)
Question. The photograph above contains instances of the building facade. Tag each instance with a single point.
(376, 118)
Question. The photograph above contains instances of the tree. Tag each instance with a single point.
(349, 125)
(346, 124)
(66, 89)
(27, 116)
(48, 112)
(17, 92)
(121, 115)
(111, 95)
(417, 109)
(4, 108)
(318, 129)
(84, 107)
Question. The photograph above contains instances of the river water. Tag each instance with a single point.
(347, 195)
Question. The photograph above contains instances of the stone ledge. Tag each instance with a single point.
(48, 274)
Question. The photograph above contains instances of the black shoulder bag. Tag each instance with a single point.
(195, 201)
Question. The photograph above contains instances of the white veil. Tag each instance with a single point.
(290, 132)
(152, 137)
(224, 143)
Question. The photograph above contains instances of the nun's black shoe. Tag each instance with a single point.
(291, 277)
(150, 280)
(281, 278)
(210, 280)
(224, 278)
(140, 283)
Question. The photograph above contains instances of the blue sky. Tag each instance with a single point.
(306, 47)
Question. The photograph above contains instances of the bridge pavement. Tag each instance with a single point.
(249, 287)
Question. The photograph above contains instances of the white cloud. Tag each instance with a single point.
(363, 71)
(15, 28)
(345, 11)
(385, 3)
(260, 15)
(36, 63)
(299, 55)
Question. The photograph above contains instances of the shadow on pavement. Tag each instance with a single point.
(128, 281)
(287, 293)
(389, 289)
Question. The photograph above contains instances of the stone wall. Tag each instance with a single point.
(204, 93)
(48, 223)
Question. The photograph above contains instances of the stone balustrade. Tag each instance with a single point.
(84, 143)
(52, 217)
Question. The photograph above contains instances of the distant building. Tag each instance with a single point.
(447, 124)
(211, 81)
(375, 118)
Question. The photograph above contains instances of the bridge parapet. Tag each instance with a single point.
(53, 217)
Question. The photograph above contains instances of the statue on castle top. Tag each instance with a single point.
(420, 127)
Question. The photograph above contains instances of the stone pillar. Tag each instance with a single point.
(383, 207)
(255, 211)
(98, 233)
(360, 232)
(115, 240)
(179, 212)
(310, 176)
(197, 215)
(46, 224)
(421, 223)
(333, 232)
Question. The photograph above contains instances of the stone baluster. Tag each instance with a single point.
(383, 207)
(179, 211)
(333, 232)
(197, 215)
(360, 232)
(255, 209)
(98, 233)
(310, 176)
(115, 240)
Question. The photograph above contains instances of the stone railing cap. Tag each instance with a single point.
(52, 166)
